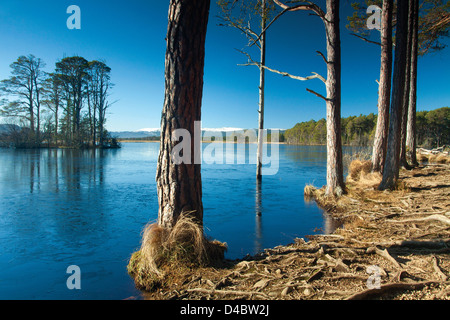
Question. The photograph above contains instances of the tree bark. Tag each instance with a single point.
(411, 139)
(403, 161)
(261, 94)
(180, 186)
(392, 167)
(335, 172)
(384, 94)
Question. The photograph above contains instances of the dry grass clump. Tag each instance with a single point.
(359, 169)
(370, 180)
(421, 157)
(326, 202)
(401, 185)
(432, 158)
(168, 254)
(310, 191)
(442, 158)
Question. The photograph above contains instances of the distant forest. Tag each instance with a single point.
(433, 130)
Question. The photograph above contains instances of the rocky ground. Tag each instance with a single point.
(392, 245)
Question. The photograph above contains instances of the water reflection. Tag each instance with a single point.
(65, 169)
(330, 224)
(55, 211)
(258, 218)
(88, 208)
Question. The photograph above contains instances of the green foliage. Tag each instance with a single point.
(67, 107)
(432, 127)
(357, 22)
(434, 22)
(355, 131)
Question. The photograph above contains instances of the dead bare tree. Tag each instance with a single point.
(330, 18)
(244, 23)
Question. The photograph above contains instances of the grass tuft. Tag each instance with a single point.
(169, 254)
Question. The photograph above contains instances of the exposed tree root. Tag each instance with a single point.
(387, 288)
(403, 233)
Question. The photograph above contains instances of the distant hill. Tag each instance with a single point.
(148, 133)
(135, 134)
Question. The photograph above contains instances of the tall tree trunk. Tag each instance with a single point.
(56, 123)
(91, 125)
(261, 94)
(31, 106)
(384, 94)
(94, 129)
(335, 172)
(38, 112)
(411, 139)
(403, 161)
(392, 167)
(180, 186)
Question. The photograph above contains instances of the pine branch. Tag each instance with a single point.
(317, 94)
(311, 7)
(323, 56)
(365, 39)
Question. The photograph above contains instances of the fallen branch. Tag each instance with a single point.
(232, 292)
(385, 254)
(347, 276)
(435, 217)
(441, 244)
(371, 293)
(438, 270)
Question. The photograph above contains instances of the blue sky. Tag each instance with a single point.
(129, 36)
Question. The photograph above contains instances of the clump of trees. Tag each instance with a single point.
(355, 131)
(433, 130)
(66, 107)
(417, 28)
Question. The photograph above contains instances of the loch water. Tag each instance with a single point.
(63, 207)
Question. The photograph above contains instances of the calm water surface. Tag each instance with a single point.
(88, 208)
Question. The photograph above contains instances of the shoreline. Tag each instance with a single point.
(400, 238)
(232, 142)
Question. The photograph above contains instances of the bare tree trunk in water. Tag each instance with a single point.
(261, 94)
(403, 161)
(411, 141)
(335, 171)
(335, 168)
(384, 95)
(180, 186)
(392, 163)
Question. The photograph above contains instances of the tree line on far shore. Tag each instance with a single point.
(433, 130)
(66, 107)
